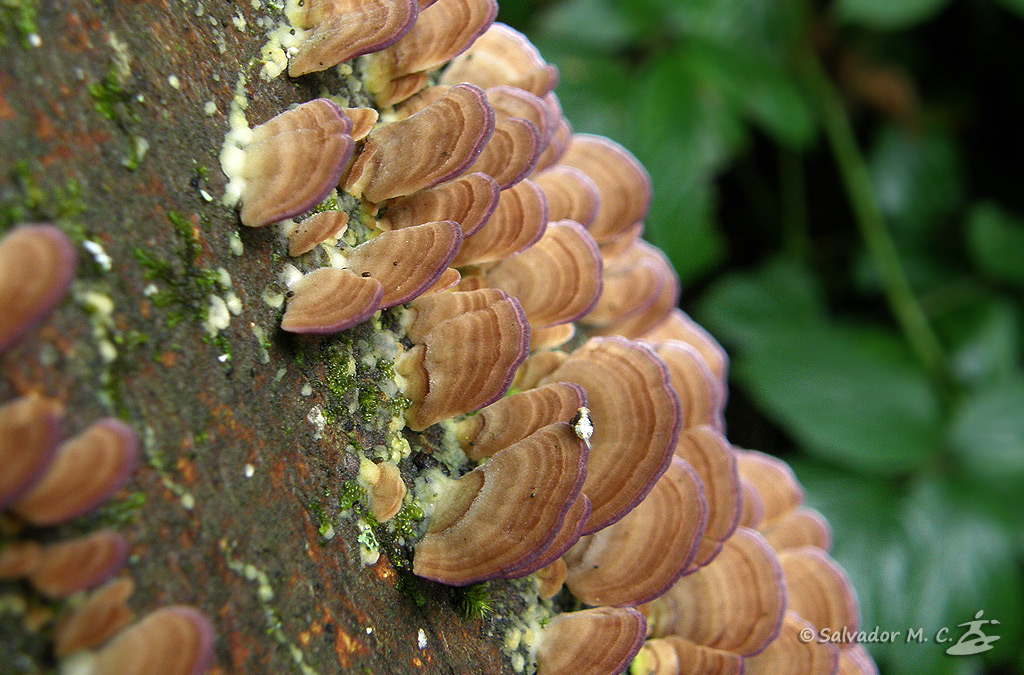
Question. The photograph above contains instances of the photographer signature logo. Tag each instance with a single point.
(974, 640)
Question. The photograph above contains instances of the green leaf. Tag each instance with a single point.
(995, 240)
(916, 180)
(1015, 6)
(984, 339)
(742, 308)
(682, 223)
(988, 435)
(585, 25)
(853, 395)
(888, 14)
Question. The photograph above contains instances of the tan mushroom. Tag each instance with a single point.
(572, 194)
(30, 431)
(293, 161)
(343, 29)
(504, 513)
(538, 366)
(315, 230)
(662, 654)
(103, 614)
(636, 416)
(776, 485)
(679, 326)
(331, 300)
(803, 526)
(78, 564)
(518, 222)
(469, 200)
(639, 557)
(511, 153)
(793, 654)
(820, 591)
(363, 121)
(435, 145)
(385, 488)
(37, 264)
(599, 641)
(503, 56)
(170, 640)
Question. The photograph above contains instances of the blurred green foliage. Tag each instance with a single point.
(838, 185)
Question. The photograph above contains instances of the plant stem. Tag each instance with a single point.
(793, 203)
(853, 169)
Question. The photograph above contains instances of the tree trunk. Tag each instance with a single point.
(112, 116)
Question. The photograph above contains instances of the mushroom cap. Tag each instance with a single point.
(855, 660)
(330, 300)
(679, 326)
(503, 56)
(37, 264)
(293, 161)
(384, 487)
(18, 559)
(79, 564)
(690, 658)
(442, 31)
(556, 148)
(30, 431)
(598, 641)
(803, 526)
(703, 395)
(557, 280)
(469, 200)
(633, 282)
(819, 590)
(464, 363)
(406, 262)
(344, 29)
(363, 121)
(656, 657)
(511, 153)
(639, 557)
(315, 230)
(504, 513)
(572, 527)
(735, 603)
(512, 418)
(515, 102)
(517, 223)
(624, 184)
(752, 512)
(103, 614)
(712, 458)
(551, 336)
(538, 366)
(776, 485)
(792, 654)
(572, 194)
(174, 640)
(450, 278)
(430, 311)
(550, 578)
(87, 470)
(637, 419)
(435, 145)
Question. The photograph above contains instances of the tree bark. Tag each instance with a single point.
(107, 129)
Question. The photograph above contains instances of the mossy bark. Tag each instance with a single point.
(107, 128)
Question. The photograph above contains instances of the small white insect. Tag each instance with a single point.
(582, 425)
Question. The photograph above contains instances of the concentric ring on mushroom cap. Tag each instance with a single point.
(30, 432)
(819, 590)
(503, 56)
(572, 527)
(679, 326)
(793, 654)
(855, 660)
(315, 230)
(504, 513)
(173, 640)
(517, 223)
(638, 558)
(735, 603)
(344, 29)
(79, 564)
(511, 152)
(330, 300)
(690, 658)
(87, 470)
(557, 280)
(436, 144)
(637, 418)
(103, 614)
(598, 641)
(444, 30)
(469, 200)
(776, 484)
(429, 311)
(572, 194)
(702, 394)
(293, 161)
(408, 261)
(464, 363)
(37, 264)
(624, 184)
(803, 526)
(712, 458)
(515, 102)
(513, 418)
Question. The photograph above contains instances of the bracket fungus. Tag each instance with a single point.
(503, 514)
(567, 643)
(37, 264)
(291, 162)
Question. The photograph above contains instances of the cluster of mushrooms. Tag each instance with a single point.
(601, 464)
(46, 481)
